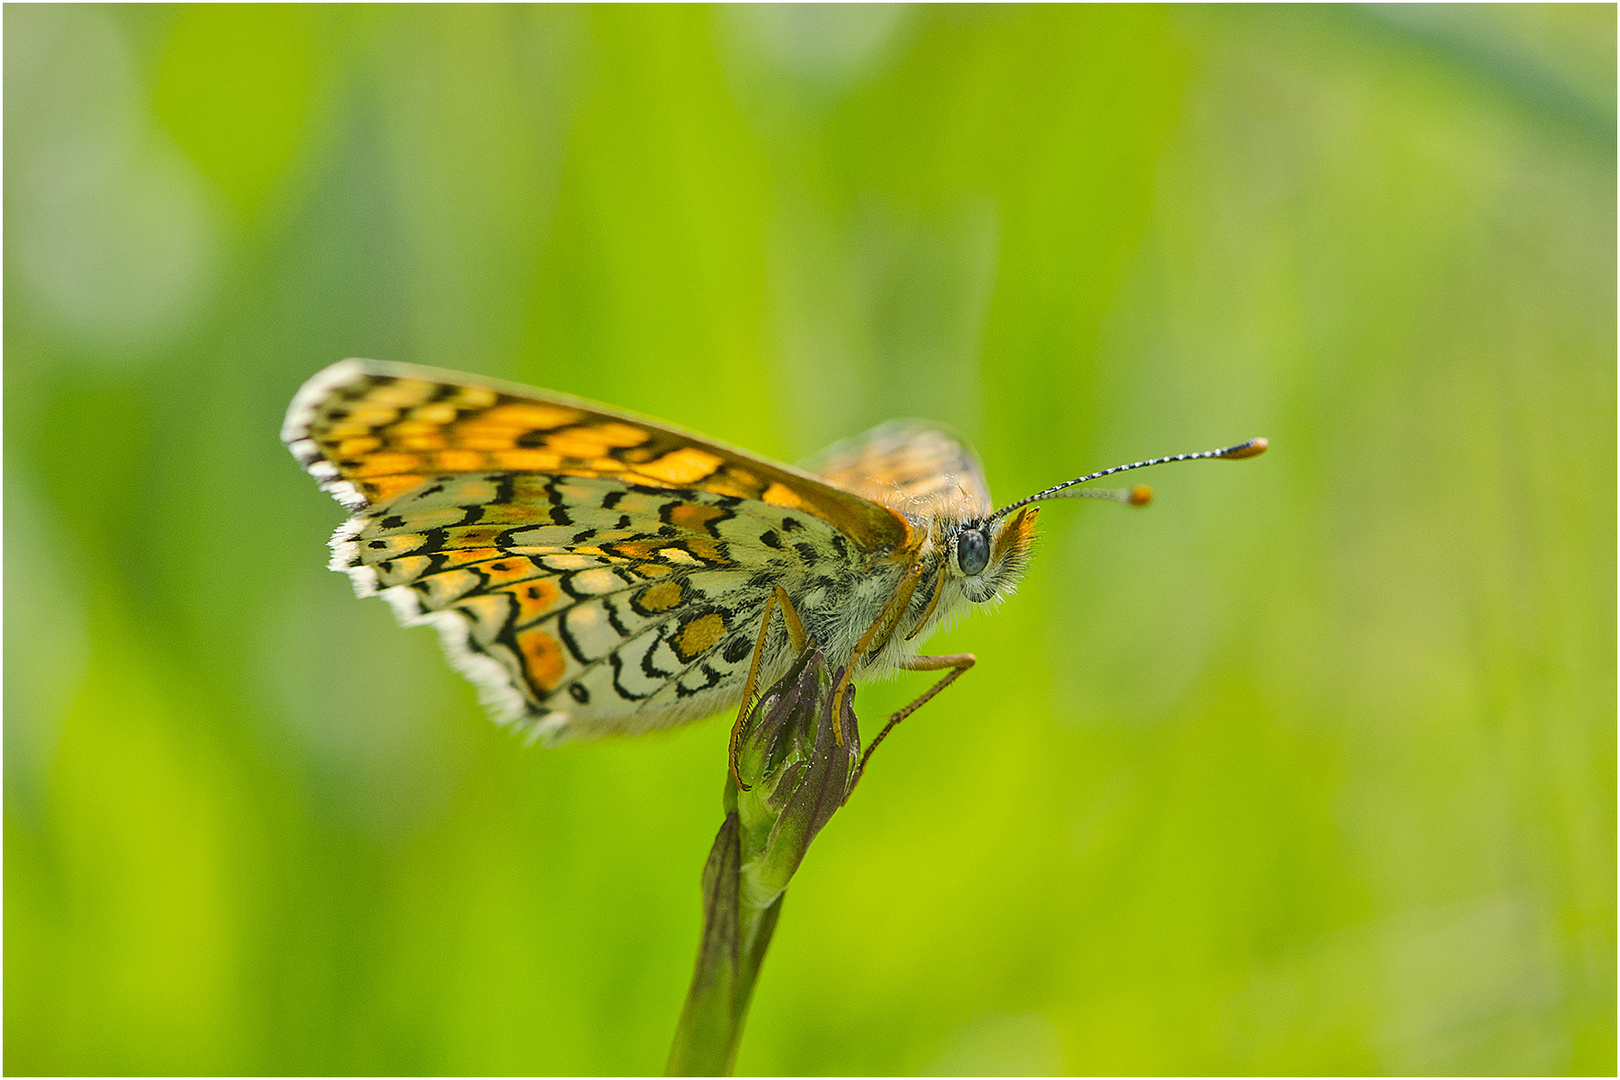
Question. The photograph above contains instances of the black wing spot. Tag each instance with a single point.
(839, 546)
(611, 499)
(579, 693)
(393, 521)
(711, 678)
(531, 439)
(614, 621)
(737, 648)
(808, 553)
(791, 523)
(656, 674)
(568, 640)
(379, 543)
(581, 537)
(771, 540)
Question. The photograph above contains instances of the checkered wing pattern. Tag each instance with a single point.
(591, 571)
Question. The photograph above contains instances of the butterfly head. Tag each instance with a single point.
(988, 555)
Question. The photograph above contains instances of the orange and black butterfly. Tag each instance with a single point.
(595, 572)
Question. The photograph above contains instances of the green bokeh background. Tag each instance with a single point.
(1310, 768)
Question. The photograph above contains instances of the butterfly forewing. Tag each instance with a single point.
(911, 466)
(371, 431)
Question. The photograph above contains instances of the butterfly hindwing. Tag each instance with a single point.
(585, 605)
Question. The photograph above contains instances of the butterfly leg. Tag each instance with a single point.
(796, 634)
(877, 635)
(957, 662)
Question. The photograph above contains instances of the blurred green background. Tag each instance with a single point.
(1308, 769)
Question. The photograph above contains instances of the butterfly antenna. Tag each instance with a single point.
(1141, 494)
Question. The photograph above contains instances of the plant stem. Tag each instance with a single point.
(796, 774)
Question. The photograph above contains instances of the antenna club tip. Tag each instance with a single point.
(1252, 448)
(1140, 495)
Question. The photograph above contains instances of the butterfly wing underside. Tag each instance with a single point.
(589, 570)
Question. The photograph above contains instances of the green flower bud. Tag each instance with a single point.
(796, 771)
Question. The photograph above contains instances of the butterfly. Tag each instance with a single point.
(595, 572)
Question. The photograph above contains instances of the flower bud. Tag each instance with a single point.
(796, 771)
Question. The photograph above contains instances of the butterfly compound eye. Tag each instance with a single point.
(972, 551)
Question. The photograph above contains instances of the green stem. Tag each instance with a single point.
(796, 771)
(707, 1035)
(758, 926)
(735, 937)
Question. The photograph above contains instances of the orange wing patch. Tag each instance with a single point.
(686, 465)
(370, 431)
(534, 600)
(542, 659)
(696, 517)
(663, 596)
(699, 636)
